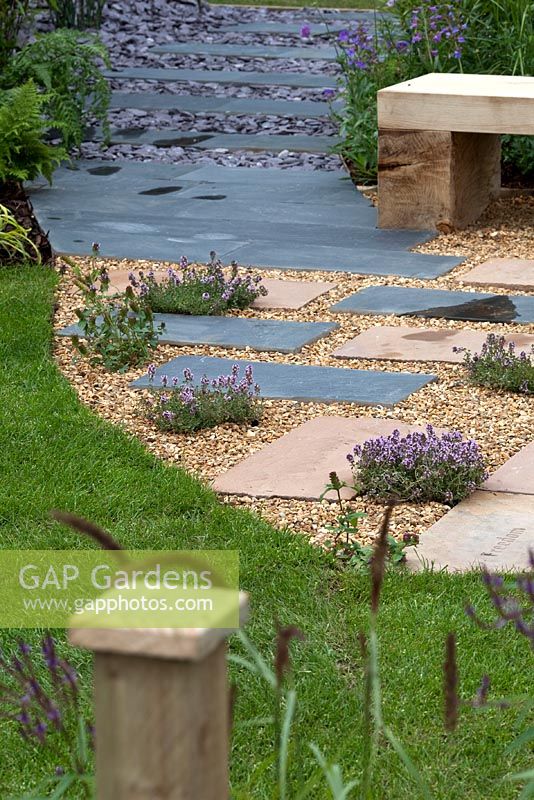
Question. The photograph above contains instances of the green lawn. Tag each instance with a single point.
(54, 453)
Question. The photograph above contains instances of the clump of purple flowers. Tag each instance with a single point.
(499, 366)
(187, 405)
(198, 290)
(437, 32)
(358, 47)
(420, 466)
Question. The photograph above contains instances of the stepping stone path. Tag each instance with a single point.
(234, 332)
(492, 530)
(281, 294)
(290, 218)
(510, 273)
(471, 306)
(302, 383)
(298, 464)
(516, 476)
(401, 343)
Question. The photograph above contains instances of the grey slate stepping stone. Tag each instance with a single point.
(471, 306)
(510, 273)
(402, 343)
(235, 332)
(297, 464)
(307, 384)
(488, 530)
(301, 80)
(290, 28)
(298, 143)
(221, 105)
(247, 51)
(516, 475)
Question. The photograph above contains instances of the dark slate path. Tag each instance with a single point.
(278, 218)
(300, 80)
(220, 105)
(470, 306)
(294, 29)
(259, 334)
(302, 383)
(229, 141)
(248, 51)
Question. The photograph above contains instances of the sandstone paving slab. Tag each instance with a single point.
(247, 51)
(152, 101)
(299, 80)
(298, 143)
(516, 476)
(510, 273)
(402, 343)
(491, 530)
(298, 464)
(439, 303)
(306, 383)
(235, 332)
(281, 294)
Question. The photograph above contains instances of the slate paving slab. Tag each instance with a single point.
(298, 464)
(235, 332)
(306, 383)
(276, 218)
(516, 476)
(298, 143)
(151, 101)
(402, 343)
(439, 303)
(281, 294)
(247, 51)
(491, 530)
(294, 29)
(299, 80)
(510, 273)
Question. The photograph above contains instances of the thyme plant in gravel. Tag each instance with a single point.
(420, 466)
(498, 366)
(198, 290)
(115, 333)
(188, 407)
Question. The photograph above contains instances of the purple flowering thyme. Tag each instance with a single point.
(499, 366)
(193, 405)
(208, 290)
(420, 466)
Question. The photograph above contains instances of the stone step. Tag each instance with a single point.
(490, 530)
(299, 80)
(516, 476)
(262, 335)
(439, 303)
(294, 29)
(297, 465)
(297, 143)
(260, 106)
(306, 383)
(245, 51)
(402, 343)
(509, 273)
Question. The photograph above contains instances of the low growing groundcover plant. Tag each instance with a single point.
(420, 466)
(499, 367)
(198, 290)
(189, 407)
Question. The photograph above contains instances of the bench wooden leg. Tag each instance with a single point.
(429, 179)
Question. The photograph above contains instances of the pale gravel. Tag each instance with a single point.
(501, 423)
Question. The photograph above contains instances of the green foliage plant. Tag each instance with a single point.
(24, 153)
(15, 243)
(115, 334)
(80, 14)
(12, 15)
(66, 66)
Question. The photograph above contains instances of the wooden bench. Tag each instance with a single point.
(439, 146)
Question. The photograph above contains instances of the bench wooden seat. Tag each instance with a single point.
(439, 145)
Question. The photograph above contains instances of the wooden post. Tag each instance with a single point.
(161, 712)
(429, 179)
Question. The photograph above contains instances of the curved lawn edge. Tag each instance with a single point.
(56, 454)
